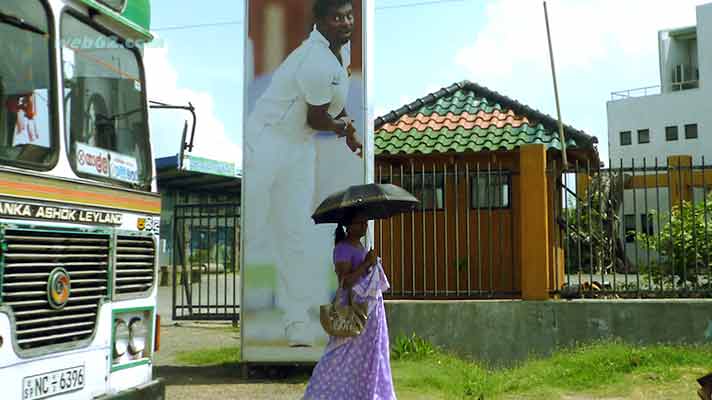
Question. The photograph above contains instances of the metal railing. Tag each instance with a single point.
(637, 92)
(206, 261)
(461, 242)
(642, 230)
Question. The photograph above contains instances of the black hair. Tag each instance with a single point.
(321, 7)
(340, 232)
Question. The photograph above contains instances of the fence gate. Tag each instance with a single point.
(206, 262)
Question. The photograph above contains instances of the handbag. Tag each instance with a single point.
(343, 320)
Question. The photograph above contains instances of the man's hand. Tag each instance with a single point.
(346, 127)
(349, 131)
(354, 144)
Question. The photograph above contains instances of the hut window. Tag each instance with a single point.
(430, 191)
(429, 188)
(491, 190)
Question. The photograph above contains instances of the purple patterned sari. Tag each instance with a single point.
(357, 368)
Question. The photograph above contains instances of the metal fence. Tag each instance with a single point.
(206, 262)
(461, 242)
(640, 228)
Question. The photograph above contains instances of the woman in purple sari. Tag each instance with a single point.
(356, 368)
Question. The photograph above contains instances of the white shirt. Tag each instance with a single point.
(310, 75)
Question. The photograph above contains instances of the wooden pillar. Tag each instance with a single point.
(583, 181)
(534, 239)
(680, 184)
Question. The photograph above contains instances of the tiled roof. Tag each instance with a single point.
(468, 117)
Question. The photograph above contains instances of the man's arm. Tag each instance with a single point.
(318, 118)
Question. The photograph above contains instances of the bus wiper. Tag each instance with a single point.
(20, 23)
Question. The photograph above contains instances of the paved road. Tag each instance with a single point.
(211, 382)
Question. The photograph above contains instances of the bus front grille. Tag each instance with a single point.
(30, 258)
(135, 264)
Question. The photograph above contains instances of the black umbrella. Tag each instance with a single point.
(375, 201)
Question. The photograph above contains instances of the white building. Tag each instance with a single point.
(673, 118)
(677, 117)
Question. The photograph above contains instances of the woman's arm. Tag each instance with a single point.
(343, 270)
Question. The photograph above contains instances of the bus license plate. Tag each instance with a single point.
(52, 383)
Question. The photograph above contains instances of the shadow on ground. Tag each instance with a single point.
(233, 373)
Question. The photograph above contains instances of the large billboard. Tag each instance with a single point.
(305, 72)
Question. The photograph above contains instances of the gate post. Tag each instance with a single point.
(534, 239)
(680, 185)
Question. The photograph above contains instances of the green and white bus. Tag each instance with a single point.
(79, 212)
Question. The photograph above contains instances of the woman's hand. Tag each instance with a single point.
(371, 258)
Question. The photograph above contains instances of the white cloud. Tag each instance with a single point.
(583, 32)
(211, 140)
(600, 46)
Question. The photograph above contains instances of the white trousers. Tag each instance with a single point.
(280, 186)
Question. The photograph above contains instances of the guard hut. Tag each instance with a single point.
(200, 236)
(486, 169)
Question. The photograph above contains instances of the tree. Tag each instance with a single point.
(592, 223)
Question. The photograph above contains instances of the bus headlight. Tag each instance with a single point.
(121, 338)
(133, 335)
(137, 336)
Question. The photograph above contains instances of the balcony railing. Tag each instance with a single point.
(637, 92)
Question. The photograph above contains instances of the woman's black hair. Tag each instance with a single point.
(321, 7)
(340, 232)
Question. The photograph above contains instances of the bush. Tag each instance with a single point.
(684, 244)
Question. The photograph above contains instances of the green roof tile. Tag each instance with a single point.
(483, 120)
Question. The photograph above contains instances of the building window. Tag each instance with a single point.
(643, 135)
(646, 224)
(671, 133)
(626, 138)
(629, 227)
(691, 131)
(491, 190)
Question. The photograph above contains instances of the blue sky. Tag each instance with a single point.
(600, 46)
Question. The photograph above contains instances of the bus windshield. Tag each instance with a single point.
(26, 125)
(105, 111)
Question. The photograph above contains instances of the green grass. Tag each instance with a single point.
(602, 369)
(228, 355)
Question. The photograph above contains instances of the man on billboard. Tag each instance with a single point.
(306, 95)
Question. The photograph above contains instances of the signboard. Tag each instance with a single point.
(295, 63)
(92, 160)
(123, 168)
(208, 166)
(100, 162)
(62, 214)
